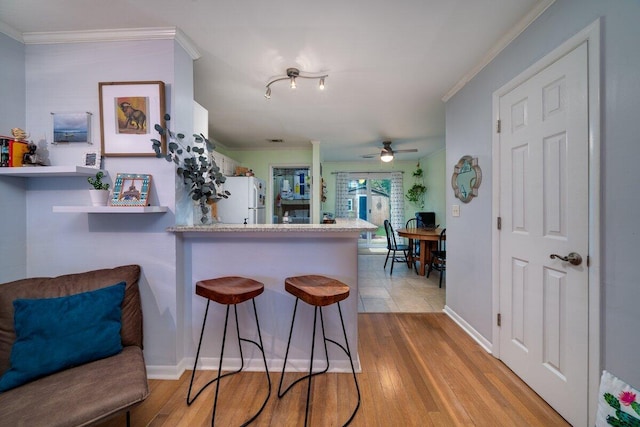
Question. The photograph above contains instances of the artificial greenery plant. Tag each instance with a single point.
(97, 182)
(195, 165)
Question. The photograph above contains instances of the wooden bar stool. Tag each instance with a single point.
(318, 291)
(229, 291)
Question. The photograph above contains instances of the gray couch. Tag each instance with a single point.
(85, 394)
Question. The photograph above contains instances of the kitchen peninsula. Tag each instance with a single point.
(270, 253)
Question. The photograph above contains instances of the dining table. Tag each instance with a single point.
(426, 237)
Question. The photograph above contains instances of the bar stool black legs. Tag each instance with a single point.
(298, 286)
(214, 290)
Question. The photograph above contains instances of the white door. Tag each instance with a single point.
(544, 209)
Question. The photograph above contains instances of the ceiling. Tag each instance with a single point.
(390, 63)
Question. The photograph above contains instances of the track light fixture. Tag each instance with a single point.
(292, 75)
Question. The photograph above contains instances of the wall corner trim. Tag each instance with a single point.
(11, 32)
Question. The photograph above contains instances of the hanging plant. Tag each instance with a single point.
(415, 194)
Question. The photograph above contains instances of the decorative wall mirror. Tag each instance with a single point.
(466, 178)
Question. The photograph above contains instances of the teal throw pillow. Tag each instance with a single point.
(53, 334)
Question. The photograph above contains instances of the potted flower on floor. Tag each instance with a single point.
(100, 192)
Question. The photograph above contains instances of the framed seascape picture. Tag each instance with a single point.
(129, 112)
(131, 189)
(71, 127)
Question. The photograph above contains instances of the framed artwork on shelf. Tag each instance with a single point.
(131, 189)
(91, 159)
(71, 127)
(129, 112)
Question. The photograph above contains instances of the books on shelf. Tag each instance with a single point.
(12, 152)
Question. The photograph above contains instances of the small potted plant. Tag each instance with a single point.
(100, 192)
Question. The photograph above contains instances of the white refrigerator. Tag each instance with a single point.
(246, 201)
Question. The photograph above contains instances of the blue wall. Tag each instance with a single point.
(13, 250)
(469, 131)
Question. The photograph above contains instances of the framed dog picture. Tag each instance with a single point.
(129, 112)
(131, 189)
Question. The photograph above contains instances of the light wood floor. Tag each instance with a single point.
(417, 370)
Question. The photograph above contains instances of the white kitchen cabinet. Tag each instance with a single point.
(201, 125)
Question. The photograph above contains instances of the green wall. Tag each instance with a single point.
(261, 161)
(433, 167)
(435, 178)
(408, 167)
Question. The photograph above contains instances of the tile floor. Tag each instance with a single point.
(402, 292)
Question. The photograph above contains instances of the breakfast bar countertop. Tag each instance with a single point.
(270, 253)
(342, 225)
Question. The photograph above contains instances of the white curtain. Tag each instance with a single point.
(342, 194)
(397, 201)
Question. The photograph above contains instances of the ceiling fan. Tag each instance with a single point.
(386, 155)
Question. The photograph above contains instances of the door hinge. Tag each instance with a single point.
(499, 223)
(499, 319)
(498, 126)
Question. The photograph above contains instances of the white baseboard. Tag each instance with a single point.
(254, 365)
(167, 372)
(477, 337)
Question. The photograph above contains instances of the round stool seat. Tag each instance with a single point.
(229, 290)
(316, 290)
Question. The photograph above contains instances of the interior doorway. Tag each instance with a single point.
(291, 190)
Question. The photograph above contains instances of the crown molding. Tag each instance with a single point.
(11, 32)
(187, 44)
(114, 35)
(504, 41)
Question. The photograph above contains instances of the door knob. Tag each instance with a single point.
(573, 258)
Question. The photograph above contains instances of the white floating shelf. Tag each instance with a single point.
(48, 171)
(110, 209)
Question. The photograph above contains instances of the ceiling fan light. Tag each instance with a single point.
(293, 82)
(321, 84)
(386, 156)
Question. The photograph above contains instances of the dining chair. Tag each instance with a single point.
(414, 248)
(439, 257)
(393, 246)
